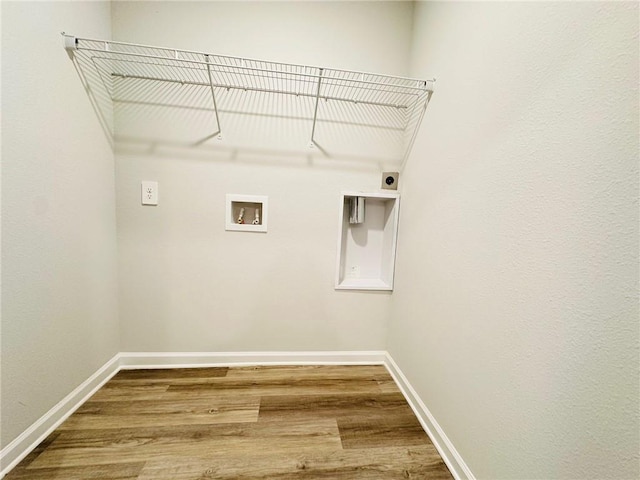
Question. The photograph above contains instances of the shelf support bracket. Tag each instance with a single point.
(70, 44)
(218, 132)
(312, 143)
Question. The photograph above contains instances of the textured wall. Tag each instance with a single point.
(59, 298)
(515, 313)
(185, 283)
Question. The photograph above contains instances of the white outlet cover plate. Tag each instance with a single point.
(149, 192)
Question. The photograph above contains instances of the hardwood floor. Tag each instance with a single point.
(325, 422)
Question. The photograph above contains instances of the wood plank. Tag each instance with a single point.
(379, 464)
(388, 386)
(148, 413)
(230, 388)
(327, 373)
(277, 386)
(126, 445)
(332, 406)
(120, 471)
(141, 391)
(113, 392)
(399, 430)
(162, 374)
(302, 372)
(269, 380)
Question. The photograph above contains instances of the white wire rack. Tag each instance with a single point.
(120, 77)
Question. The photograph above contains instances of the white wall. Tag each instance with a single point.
(59, 299)
(361, 36)
(515, 313)
(185, 283)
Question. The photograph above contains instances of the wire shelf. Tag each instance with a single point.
(208, 94)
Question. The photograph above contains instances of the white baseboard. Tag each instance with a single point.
(448, 452)
(19, 448)
(133, 360)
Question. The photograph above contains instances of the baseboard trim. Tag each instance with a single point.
(448, 452)
(19, 448)
(135, 360)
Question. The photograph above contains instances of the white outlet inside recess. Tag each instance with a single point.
(353, 271)
(149, 193)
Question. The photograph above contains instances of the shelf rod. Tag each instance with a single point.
(336, 83)
(265, 70)
(263, 90)
(213, 95)
(315, 111)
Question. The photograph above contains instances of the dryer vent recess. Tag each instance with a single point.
(390, 180)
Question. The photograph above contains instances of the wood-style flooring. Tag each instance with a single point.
(327, 422)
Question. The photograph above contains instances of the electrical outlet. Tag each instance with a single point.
(390, 180)
(353, 271)
(149, 193)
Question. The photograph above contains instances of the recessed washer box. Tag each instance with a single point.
(367, 250)
(246, 213)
